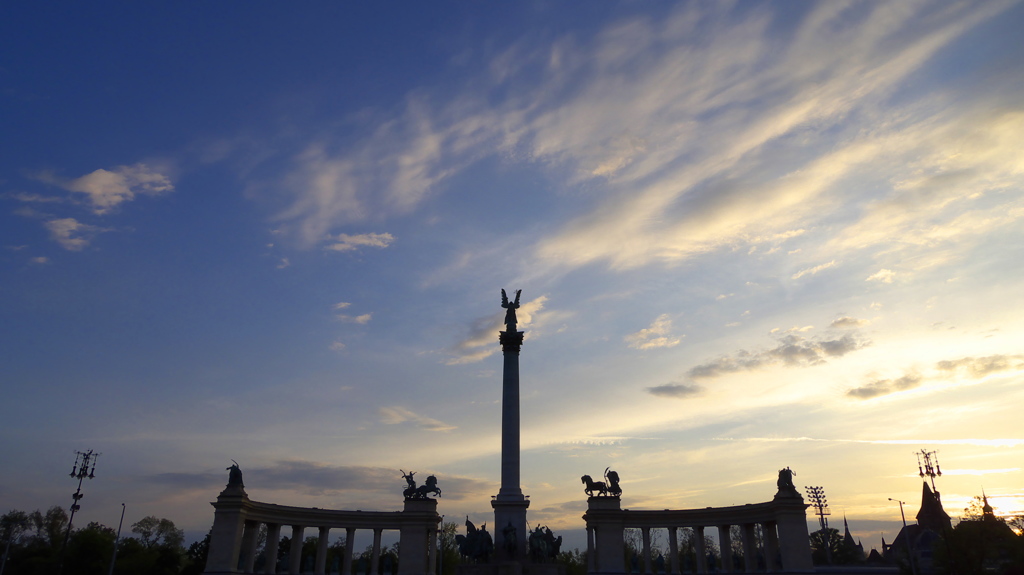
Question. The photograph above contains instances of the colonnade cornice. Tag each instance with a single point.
(711, 516)
(273, 513)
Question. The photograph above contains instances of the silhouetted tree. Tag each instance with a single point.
(195, 557)
(574, 561)
(449, 555)
(835, 544)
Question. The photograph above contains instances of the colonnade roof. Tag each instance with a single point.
(710, 516)
(334, 518)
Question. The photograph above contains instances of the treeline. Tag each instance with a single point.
(34, 544)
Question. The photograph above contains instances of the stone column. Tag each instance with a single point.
(673, 548)
(699, 550)
(295, 551)
(591, 558)
(725, 546)
(226, 534)
(350, 542)
(270, 552)
(321, 551)
(645, 532)
(771, 547)
(249, 546)
(375, 554)
(510, 504)
(431, 551)
(749, 548)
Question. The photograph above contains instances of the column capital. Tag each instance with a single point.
(510, 341)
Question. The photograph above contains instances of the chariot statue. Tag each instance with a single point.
(413, 492)
(785, 484)
(608, 487)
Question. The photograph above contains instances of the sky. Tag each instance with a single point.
(749, 235)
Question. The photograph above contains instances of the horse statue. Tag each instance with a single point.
(429, 487)
(543, 544)
(613, 482)
(592, 486)
(476, 544)
(538, 544)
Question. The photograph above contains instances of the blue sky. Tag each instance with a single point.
(749, 236)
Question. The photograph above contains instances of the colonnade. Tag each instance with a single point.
(236, 522)
(782, 521)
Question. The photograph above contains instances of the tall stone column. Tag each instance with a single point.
(510, 504)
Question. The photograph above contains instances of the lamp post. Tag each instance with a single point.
(906, 537)
(113, 557)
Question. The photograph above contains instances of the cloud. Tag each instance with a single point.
(283, 263)
(106, 189)
(814, 270)
(336, 346)
(849, 322)
(971, 369)
(885, 387)
(34, 198)
(347, 243)
(679, 390)
(655, 336)
(360, 319)
(40, 260)
(792, 351)
(71, 234)
(315, 478)
(708, 173)
(482, 340)
(396, 415)
(979, 367)
(882, 275)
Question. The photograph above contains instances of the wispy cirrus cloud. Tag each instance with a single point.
(348, 243)
(395, 415)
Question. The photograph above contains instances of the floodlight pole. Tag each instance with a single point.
(820, 503)
(85, 467)
(906, 537)
(928, 466)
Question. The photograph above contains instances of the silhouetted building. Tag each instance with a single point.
(852, 551)
(920, 539)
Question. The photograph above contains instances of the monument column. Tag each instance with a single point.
(510, 504)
